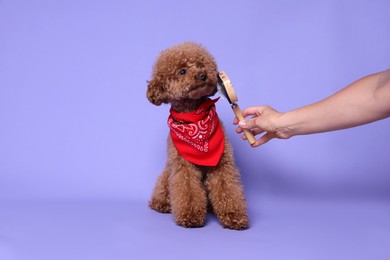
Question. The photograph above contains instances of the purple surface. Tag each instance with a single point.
(81, 147)
(281, 229)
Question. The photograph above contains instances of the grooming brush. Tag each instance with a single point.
(226, 90)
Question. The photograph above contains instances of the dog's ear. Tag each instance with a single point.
(156, 92)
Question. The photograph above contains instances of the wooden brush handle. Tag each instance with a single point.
(249, 136)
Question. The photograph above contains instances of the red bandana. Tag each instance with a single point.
(197, 135)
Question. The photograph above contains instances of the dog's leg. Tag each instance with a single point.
(226, 194)
(160, 196)
(188, 196)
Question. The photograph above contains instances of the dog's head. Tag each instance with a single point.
(182, 72)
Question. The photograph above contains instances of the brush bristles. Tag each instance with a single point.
(222, 90)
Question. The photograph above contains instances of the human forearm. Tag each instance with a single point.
(362, 102)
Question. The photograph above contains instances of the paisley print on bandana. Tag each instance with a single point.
(197, 135)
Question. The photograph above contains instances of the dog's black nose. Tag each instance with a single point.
(202, 76)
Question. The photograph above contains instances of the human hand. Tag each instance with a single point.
(264, 119)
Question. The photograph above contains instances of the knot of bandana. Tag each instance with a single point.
(197, 135)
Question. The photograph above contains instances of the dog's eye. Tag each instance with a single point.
(182, 72)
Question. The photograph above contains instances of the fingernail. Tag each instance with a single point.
(241, 123)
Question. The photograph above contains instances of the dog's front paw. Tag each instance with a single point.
(159, 206)
(234, 220)
(191, 221)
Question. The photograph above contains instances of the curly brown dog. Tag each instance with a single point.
(200, 173)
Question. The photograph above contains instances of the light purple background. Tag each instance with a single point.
(81, 147)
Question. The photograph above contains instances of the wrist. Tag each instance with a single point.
(284, 127)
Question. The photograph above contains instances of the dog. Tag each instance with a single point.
(200, 175)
